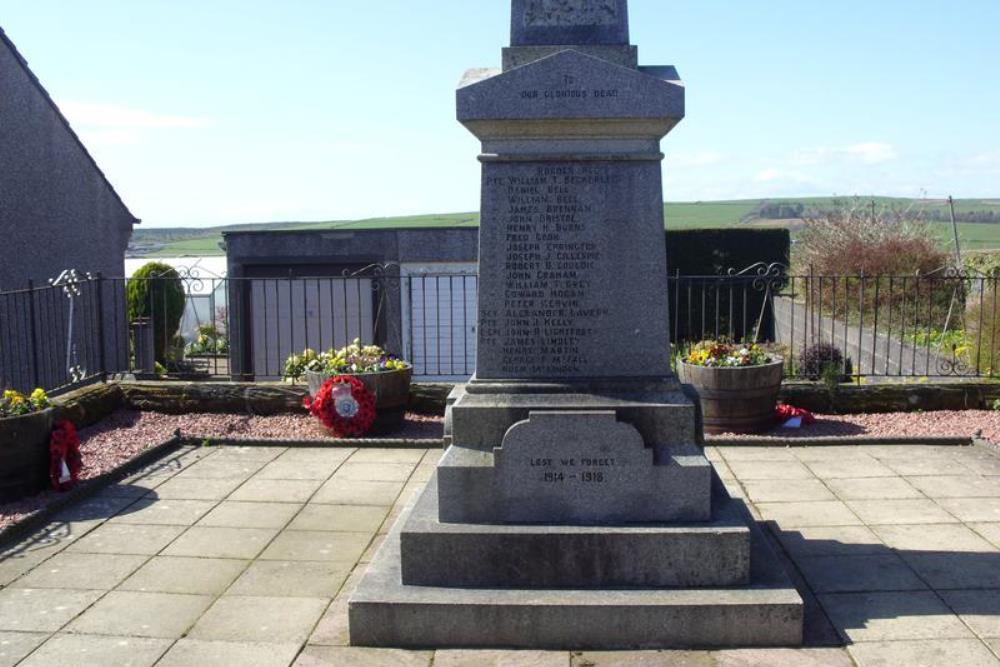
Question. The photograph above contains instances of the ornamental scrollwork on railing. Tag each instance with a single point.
(764, 277)
(383, 279)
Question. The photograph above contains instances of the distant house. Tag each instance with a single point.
(57, 212)
(57, 209)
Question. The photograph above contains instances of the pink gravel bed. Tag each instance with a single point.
(127, 433)
(963, 423)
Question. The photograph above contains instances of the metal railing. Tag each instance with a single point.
(80, 328)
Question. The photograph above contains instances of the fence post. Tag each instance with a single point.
(35, 374)
(102, 354)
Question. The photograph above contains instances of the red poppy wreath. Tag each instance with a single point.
(344, 405)
(64, 457)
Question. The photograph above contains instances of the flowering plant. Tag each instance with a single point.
(65, 460)
(726, 355)
(353, 358)
(344, 405)
(15, 404)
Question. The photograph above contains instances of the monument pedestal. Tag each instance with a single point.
(573, 507)
(765, 611)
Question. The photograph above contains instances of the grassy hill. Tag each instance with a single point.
(179, 241)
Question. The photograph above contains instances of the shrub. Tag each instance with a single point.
(156, 292)
(980, 346)
(857, 239)
(816, 361)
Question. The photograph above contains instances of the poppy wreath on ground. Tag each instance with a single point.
(344, 405)
(64, 454)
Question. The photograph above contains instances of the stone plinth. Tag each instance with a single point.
(385, 612)
(715, 552)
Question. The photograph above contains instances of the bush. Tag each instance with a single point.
(156, 292)
(856, 239)
(819, 360)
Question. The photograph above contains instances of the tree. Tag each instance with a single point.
(156, 292)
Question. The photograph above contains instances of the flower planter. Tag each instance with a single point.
(24, 454)
(391, 390)
(736, 400)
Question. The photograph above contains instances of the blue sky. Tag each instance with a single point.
(221, 111)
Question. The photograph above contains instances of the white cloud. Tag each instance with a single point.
(86, 114)
(873, 152)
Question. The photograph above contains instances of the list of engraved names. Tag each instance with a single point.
(546, 219)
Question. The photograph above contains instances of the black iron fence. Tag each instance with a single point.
(82, 328)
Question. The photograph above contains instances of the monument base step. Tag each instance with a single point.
(384, 612)
(712, 553)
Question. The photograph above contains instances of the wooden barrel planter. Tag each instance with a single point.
(24, 454)
(391, 390)
(736, 400)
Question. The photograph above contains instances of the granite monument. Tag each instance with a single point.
(574, 506)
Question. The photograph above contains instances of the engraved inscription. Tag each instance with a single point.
(550, 224)
(549, 13)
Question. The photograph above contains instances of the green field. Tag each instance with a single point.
(174, 242)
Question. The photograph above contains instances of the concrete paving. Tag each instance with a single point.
(246, 556)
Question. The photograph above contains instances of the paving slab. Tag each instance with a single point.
(235, 514)
(977, 510)
(872, 488)
(340, 518)
(250, 453)
(318, 454)
(135, 614)
(850, 468)
(862, 617)
(85, 571)
(382, 455)
(298, 470)
(348, 492)
(925, 653)
(220, 542)
(190, 488)
(979, 609)
(731, 454)
(643, 659)
(276, 490)
(333, 628)
(783, 657)
(957, 486)
(943, 570)
(41, 609)
(318, 546)
(991, 531)
(292, 579)
(374, 472)
(153, 511)
(334, 656)
(950, 537)
(849, 574)
(97, 651)
(127, 538)
(198, 653)
(787, 490)
(474, 658)
(15, 645)
(754, 470)
(809, 541)
(986, 466)
(244, 618)
(817, 513)
(219, 468)
(194, 576)
(897, 512)
(918, 467)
